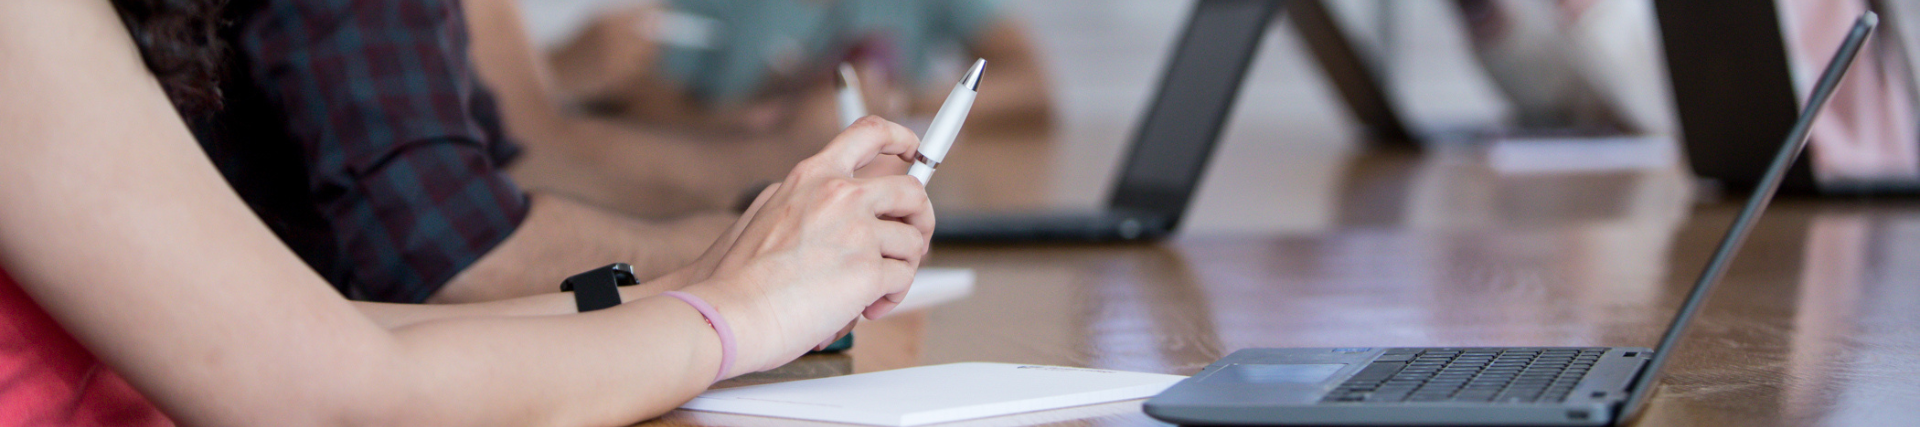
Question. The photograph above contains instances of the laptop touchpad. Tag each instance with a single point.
(1260, 373)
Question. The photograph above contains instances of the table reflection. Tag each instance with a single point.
(1813, 325)
(1855, 325)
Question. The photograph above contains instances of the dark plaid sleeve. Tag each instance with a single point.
(400, 140)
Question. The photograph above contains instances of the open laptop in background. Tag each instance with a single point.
(1170, 151)
(1532, 386)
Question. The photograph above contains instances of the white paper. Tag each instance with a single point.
(934, 394)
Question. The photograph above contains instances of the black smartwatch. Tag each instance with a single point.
(599, 288)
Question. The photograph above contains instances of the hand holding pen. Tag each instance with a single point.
(939, 136)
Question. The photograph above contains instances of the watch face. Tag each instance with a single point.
(623, 274)
(598, 288)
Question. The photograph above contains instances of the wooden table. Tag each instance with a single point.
(1817, 323)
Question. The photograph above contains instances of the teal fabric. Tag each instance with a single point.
(755, 38)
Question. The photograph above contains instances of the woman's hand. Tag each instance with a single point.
(822, 248)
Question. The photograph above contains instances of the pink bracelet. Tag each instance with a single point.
(719, 325)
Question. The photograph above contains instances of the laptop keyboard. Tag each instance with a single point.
(1502, 375)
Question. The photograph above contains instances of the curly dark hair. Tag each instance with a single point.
(180, 42)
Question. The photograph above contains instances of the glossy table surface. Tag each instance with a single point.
(1304, 235)
(1816, 324)
(1300, 236)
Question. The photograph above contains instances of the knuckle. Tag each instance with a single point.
(811, 167)
(842, 188)
(916, 194)
(875, 127)
(868, 124)
(899, 129)
(860, 234)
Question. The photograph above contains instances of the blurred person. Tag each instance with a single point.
(143, 291)
(1869, 138)
(1571, 66)
(652, 171)
(767, 64)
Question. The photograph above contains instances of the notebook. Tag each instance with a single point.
(933, 394)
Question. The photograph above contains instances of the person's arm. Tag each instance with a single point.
(643, 171)
(524, 266)
(396, 316)
(562, 237)
(473, 285)
(127, 236)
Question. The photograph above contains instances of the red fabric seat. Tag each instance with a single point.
(48, 379)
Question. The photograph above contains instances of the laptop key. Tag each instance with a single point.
(1387, 397)
(1379, 370)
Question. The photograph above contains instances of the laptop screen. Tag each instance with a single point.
(1172, 146)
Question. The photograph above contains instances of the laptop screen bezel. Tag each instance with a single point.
(1190, 108)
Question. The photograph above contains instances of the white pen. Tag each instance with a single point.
(946, 124)
(852, 105)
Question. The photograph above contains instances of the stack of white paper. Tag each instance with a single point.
(934, 394)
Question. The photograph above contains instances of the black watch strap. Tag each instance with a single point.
(599, 288)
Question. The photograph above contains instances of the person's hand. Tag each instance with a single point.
(822, 249)
(702, 267)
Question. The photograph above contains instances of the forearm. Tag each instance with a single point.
(615, 366)
(394, 316)
(128, 238)
(561, 237)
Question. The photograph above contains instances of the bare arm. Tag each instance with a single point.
(128, 237)
(510, 268)
(562, 237)
(516, 266)
(396, 316)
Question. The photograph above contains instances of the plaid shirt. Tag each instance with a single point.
(358, 131)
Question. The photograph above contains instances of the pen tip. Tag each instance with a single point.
(972, 79)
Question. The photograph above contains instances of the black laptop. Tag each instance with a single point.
(1539, 386)
(1170, 151)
